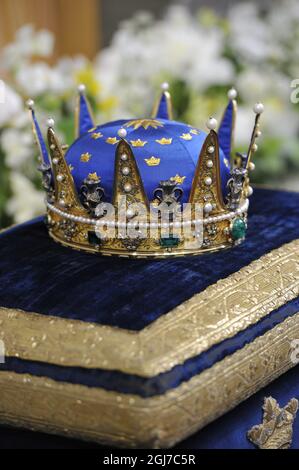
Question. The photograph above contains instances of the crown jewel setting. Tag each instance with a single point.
(149, 187)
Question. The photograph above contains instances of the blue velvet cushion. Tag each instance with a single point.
(38, 275)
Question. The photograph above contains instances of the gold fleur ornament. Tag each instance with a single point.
(194, 132)
(153, 161)
(138, 143)
(276, 430)
(164, 141)
(85, 157)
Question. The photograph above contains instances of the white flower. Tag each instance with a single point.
(273, 88)
(43, 43)
(34, 79)
(251, 37)
(10, 104)
(257, 84)
(26, 201)
(283, 20)
(175, 48)
(28, 43)
(20, 120)
(31, 42)
(17, 147)
(39, 78)
(68, 66)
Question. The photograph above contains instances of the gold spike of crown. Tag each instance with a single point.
(155, 206)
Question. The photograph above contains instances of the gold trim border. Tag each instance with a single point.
(150, 255)
(217, 313)
(130, 421)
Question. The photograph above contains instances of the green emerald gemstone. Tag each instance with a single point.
(238, 229)
(169, 242)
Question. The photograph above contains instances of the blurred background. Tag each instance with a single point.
(122, 51)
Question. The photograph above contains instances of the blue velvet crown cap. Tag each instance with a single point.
(163, 149)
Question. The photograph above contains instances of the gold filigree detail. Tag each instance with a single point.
(251, 150)
(218, 313)
(276, 430)
(201, 193)
(112, 140)
(164, 141)
(65, 192)
(138, 143)
(96, 135)
(153, 161)
(186, 136)
(253, 139)
(178, 179)
(160, 421)
(135, 193)
(148, 249)
(85, 157)
(145, 123)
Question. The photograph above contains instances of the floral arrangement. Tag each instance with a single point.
(200, 56)
(27, 74)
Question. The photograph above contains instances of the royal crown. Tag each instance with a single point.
(149, 187)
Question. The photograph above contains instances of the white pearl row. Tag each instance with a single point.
(207, 220)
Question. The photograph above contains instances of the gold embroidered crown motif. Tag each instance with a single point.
(153, 161)
(149, 187)
(138, 143)
(276, 430)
